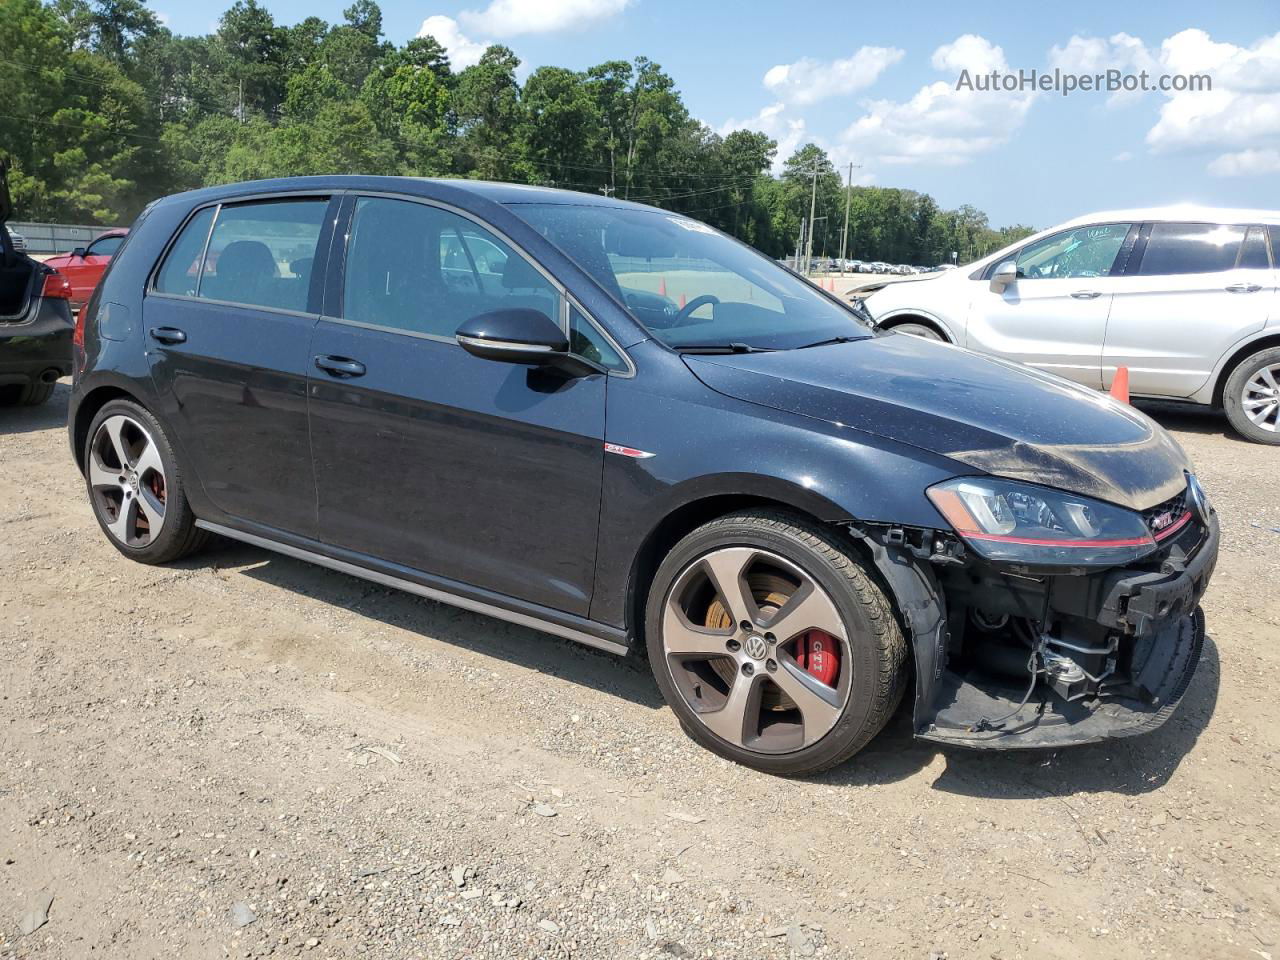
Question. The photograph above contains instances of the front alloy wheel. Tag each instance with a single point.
(755, 647)
(772, 644)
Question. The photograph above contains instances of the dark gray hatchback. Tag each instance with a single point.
(614, 424)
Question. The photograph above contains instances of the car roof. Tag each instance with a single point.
(431, 187)
(1184, 212)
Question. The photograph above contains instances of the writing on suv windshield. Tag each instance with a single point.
(690, 285)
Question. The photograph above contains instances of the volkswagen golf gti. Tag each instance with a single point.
(612, 423)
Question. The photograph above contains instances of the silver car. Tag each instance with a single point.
(1184, 298)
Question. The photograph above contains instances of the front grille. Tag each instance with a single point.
(1163, 515)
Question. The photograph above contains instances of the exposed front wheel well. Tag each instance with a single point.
(913, 318)
(94, 401)
(683, 521)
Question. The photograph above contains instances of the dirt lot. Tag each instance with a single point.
(360, 773)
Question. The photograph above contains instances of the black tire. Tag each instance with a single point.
(921, 330)
(35, 393)
(179, 536)
(1233, 396)
(877, 650)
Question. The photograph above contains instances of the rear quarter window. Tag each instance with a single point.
(180, 273)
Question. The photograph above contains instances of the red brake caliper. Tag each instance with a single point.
(819, 653)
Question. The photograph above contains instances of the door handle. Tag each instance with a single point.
(340, 366)
(1086, 294)
(168, 335)
(1243, 288)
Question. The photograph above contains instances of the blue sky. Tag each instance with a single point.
(874, 85)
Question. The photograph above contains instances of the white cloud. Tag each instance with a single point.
(1124, 156)
(463, 51)
(941, 124)
(1246, 163)
(509, 18)
(807, 80)
(1095, 55)
(1242, 109)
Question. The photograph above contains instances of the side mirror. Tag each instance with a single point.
(79, 252)
(521, 335)
(1005, 274)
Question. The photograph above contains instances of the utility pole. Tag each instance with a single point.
(607, 191)
(844, 236)
(813, 208)
(799, 243)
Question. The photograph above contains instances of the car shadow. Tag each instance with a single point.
(1189, 418)
(47, 416)
(627, 678)
(1129, 766)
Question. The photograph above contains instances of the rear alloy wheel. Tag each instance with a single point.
(1252, 397)
(135, 488)
(921, 330)
(772, 645)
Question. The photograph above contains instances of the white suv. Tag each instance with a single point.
(1184, 297)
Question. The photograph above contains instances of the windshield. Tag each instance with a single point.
(689, 285)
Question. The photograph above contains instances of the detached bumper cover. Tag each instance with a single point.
(1162, 630)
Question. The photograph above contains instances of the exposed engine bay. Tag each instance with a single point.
(1013, 655)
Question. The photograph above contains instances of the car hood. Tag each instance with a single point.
(989, 414)
(876, 284)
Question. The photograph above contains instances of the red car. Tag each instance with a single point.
(84, 266)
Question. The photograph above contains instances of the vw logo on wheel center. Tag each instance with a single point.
(755, 646)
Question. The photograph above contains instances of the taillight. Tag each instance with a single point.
(56, 285)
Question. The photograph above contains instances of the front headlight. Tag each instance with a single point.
(1023, 523)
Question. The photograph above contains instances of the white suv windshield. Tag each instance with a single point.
(688, 284)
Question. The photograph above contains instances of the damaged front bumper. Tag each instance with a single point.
(1015, 658)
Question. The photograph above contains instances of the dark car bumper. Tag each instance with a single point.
(1150, 623)
(40, 348)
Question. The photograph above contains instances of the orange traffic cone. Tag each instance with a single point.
(1120, 385)
(662, 286)
(682, 301)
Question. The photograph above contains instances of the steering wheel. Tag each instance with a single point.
(682, 317)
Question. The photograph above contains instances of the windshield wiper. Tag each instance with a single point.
(823, 343)
(711, 348)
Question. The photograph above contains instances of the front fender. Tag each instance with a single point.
(705, 445)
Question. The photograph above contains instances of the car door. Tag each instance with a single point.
(228, 318)
(1195, 290)
(478, 471)
(1054, 315)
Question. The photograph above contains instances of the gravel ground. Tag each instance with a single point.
(243, 755)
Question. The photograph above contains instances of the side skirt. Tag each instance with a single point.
(598, 635)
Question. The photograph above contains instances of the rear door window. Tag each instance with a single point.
(1183, 248)
(261, 253)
